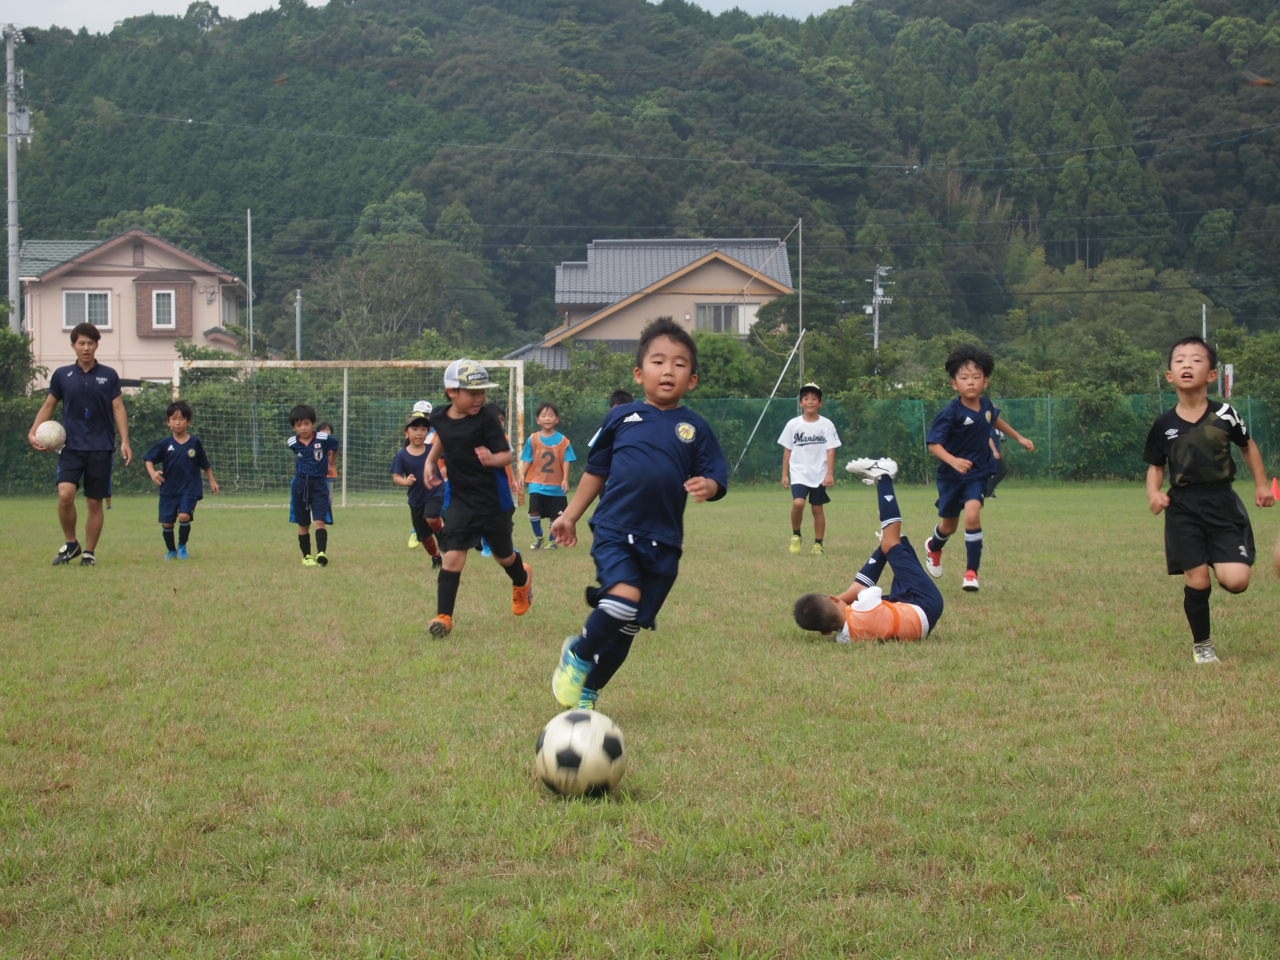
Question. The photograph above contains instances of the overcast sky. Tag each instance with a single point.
(99, 15)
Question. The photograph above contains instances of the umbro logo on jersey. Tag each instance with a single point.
(1171, 433)
(634, 418)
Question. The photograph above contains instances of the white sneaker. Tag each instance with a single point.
(1204, 653)
(872, 470)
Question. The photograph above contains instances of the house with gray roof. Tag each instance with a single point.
(142, 292)
(714, 285)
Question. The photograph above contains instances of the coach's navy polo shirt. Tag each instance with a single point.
(86, 405)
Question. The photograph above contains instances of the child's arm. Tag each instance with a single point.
(786, 466)
(1262, 492)
(431, 472)
(490, 459)
(213, 482)
(958, 464)
(1002, 425)
(702, 489)
(157, 476)
(565, 528)
(1157, 499)
(830, 481)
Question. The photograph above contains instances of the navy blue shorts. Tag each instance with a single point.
(647, 565)
(93, 467)
(309, 501)
(170, 507)
(911, 584)
(954, 494)
(815, 495)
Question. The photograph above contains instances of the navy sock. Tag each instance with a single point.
(184, 532)
(973, 548)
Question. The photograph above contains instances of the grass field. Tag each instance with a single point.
(234, 756)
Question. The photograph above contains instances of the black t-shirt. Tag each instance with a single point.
(479, 488)
(1197, 454)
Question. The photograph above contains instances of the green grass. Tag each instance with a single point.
(238, 757)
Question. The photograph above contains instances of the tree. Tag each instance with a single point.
(17, 365)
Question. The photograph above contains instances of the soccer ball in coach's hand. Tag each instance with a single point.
(581, 752)
(51, 435)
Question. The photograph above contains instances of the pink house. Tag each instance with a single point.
(142, 292)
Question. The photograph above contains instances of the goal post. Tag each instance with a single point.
(241, 413)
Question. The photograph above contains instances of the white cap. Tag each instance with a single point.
(423, 407)
(468, 375)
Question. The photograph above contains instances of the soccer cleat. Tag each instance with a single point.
(1204, 653)
(570, 677)
(441, 626)
(182, 552)
(309, 561)
(872, 470)
(66, 554)
(486, 550)
(537, 544)
(171, 555)
(522, 597)
(932, 559)
(795, 545)
(588, 699)
(817, 550)
(87, 560)
(321, 559)
(413, 540)
(437, 562)
(970, 581)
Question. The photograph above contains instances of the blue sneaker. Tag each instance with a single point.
(182, 552)
(171, 555)
(570, 677)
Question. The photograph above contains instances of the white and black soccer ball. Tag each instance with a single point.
(581, 752)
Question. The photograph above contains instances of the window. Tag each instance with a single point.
(80, 306)
(718, 318)
(163, 316)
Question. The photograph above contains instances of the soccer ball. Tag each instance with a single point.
(51, 435)
(581, 752)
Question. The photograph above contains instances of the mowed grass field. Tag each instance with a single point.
(234, 756)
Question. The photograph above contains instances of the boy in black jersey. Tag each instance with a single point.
(1205, 523)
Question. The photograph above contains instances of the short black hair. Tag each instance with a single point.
(1195, 341)
(619, 397)
(815, 611)
(85, 330)
(969, 353)
(547, 405)
(666, 327)
(302, 411)
(178, 406)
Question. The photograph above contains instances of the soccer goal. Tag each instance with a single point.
(242, 409)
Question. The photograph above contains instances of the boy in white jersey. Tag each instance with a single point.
(809, 444)
(863, 612)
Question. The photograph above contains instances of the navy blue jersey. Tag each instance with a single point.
(406, 463)
(312, 459)
(966, 434)
(647, 454)
(1197, 454)
(86, 405)
(182, 465)
(482, 490)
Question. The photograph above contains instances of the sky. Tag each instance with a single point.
(99, 15)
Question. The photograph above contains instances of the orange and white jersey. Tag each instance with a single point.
(546, 462)
(873, 618)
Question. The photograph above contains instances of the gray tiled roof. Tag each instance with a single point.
(38, 257)
(615, 269)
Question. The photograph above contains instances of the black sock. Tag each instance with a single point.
(1195, 604)
(517, 572)
(184, 532)
(322, 539)
(167, 532)
(795, 533)
(447, 591)
(304, 544)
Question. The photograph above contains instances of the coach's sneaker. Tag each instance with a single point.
(537, 544)
(817, 550)
(970, 581)
(441, 626)
(522, 597)
(1204, 653)
(795, 545)
(932, 559)
(87, 560)
(309, 561)
(570, 677)
(872, 470)
(66, 553)
(413, 540)
(182, 552)
(171, 555)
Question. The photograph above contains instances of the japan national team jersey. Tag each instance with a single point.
(647, 454)
(312, 459)
(966, 434)
(809, 441)
(182, 465)
(1197, 454)
(86, 405)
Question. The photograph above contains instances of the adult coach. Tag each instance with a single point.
(92, 413)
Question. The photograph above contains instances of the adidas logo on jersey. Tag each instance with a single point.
(968, 421)
(633, 418)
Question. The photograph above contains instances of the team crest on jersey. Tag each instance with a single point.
(685, 431)
(191, 454)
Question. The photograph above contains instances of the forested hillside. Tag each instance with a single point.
(419, 168)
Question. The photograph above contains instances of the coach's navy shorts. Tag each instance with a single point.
(93, 467)
(954, 494)
(647, 565)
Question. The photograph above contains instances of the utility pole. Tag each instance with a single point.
(18, 125)
(878, 283)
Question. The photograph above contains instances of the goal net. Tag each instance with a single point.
(242, 409)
